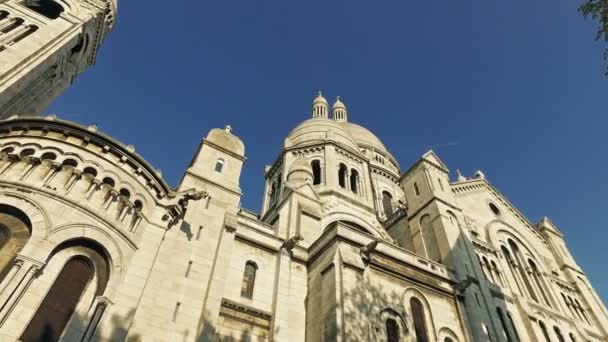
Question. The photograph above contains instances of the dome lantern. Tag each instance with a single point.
(338, 111)
(320, 107)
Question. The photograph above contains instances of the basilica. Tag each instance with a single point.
(348, 244)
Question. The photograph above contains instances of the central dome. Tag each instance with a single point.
(364, 137)
(321, 128)
(318, 130)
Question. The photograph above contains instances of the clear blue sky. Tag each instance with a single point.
(516, 86)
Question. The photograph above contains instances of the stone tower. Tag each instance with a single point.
(44, 45)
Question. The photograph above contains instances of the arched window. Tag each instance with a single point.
(543, 329)
(496, 272)
(572, 338)
(513, 326)
(505, 329)
(29, 30)
(60, 302)
(392, 330)
(3, 15)
(486, 263)
(342, 171)
(248, 280)
(48, 8)
(15, 231)
(520, 266)
(316, 172)
(419, 318)
(582, 310)
(219, 165)
(559, 335)
(448, 339)
(354, 181)
(510, 261)
(537, 280)
(13, 24)
(387, 203)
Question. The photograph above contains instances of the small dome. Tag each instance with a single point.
(339, 111)
(319, 130)
(320, 99)
(226, 140)
(300, 172)
(320, 107)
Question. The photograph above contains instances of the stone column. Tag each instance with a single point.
(217, 283)
(11, 274)
(32, 163)
(280, 306)
(94, 317)
(11, 160)
(95, 185)
(17, 288)
(76, 176)
(55, 168)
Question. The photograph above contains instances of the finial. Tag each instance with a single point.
(320, 106)
(228, 128)
(320, 93)
(460, 177)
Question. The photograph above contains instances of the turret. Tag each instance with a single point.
(338, 111)
(320, 107)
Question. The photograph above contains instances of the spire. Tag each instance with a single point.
(339, 111)
(320, 107)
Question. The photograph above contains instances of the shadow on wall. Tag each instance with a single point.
(368, 303)
(79, 324)
(209, 332)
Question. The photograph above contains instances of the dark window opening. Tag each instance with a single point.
(48, 8)
(559, 335)
(494, 209)
(316, 172)
(219, 166)
(387, 203)
(248, 282)
(543, 328)
(13, 25)
(505, 329)
(419, 320)
(392, 330)
(342, 175)
(416, 189)
(354, 181)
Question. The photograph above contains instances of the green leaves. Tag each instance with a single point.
(597, 10)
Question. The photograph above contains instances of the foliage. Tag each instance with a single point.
(598, 10)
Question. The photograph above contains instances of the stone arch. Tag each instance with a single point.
(39, 218)
(495, 227)
(49, 149)
(69, 294)
(15, 232)
(445, 334)
(28, 145)
(111, 244)
(348, 217)
(413, 292)
(391, 313)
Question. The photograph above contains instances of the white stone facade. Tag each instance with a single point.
(44, 46)
(347, 246)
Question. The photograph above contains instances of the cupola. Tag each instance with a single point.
(339, 112)
(320, 107)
